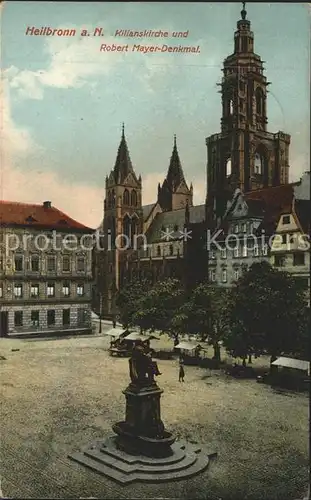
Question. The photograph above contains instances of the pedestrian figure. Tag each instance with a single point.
(114, 323)
(181, 372)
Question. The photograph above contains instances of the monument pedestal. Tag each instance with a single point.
(142, 449)
(143, 432)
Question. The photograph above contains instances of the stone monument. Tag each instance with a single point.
(141, 449)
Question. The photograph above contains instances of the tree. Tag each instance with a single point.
(159, 307)
(128, 300)
(205, 314)
(266, 314)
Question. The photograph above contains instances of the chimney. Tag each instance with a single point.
(47, 204)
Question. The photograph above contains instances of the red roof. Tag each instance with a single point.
(13, 213)
(276, 199)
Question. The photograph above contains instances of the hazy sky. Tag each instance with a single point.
(64, 101)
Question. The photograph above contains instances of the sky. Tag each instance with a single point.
(63, 101)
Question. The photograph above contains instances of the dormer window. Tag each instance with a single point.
(286, 219)
(30, 219)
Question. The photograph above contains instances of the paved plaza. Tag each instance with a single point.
(60, 394)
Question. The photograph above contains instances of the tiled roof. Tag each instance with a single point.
(275, 199)
(275, 202)
(173, 222)
(146, 210)
(34, 215)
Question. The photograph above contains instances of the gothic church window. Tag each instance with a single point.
(259, 101)
(127, 226)
(126, 197)
(109, 200)
(231, 107)
(113, 198)
(258, 165)
(228, 167)
(158, 251)
(134, 198)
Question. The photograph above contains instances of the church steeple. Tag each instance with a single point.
(174, 192)
(175, 174)
(123, 165)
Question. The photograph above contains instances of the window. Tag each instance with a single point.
(279, 260)
(158, 251)
(256, 251)
(34, 291)
(171, 250)
(259, 101)
(34, 318)
(212, 276)
(228, 167)
(18, 318)
(134, 198)
(18, 262)
(241, 104)
(223, 253)
(80, 290)
(51, 317)
(126, 197)
(244, 227)
(51, 264)
(284, 238)
(66, 289)
(231, 107)
(244, 251)
(251, 227)
(34, 263)
(51, 290)
(175, 227)
(299, 259)
(1, 291)
(18, 291)
(236, 228)
(113, 198)
(258, 164)
(81, 264)
(224, 276)
(244, 44)
(66, 263)
(286, 219)
(66, 317)
(236, 274)
(236, 252)
(265, 250)
(213, 254)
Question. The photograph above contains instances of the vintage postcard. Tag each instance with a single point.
(155, 250)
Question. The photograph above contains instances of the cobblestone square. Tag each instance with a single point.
(60, 394)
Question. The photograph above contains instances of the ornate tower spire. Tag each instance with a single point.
(243, 11)
(174, 191)
(123, 165)
(175, 174)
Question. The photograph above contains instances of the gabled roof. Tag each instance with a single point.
(147, 210)
(13, 213)
(173, 222)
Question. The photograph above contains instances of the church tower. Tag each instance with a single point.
(174, 192)
(244, 154)
(123, 220)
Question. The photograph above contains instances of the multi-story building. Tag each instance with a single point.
(290, 249)
(270, 224)
(45, 270)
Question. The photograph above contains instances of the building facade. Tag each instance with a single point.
(45, 270)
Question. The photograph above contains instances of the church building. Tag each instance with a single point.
(168, 237)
